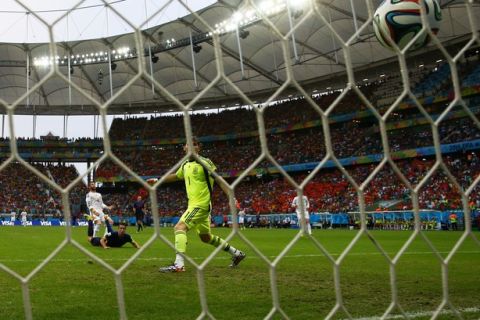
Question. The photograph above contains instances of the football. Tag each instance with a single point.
(401, 21)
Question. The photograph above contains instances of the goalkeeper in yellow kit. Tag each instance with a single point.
(199, 187)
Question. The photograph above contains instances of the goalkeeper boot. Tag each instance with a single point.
(172, 268)
(237, 259)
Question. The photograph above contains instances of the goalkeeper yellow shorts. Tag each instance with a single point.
(198, 219)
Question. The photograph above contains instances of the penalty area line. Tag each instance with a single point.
(250, 256)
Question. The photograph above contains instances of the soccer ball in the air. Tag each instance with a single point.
(401, 21)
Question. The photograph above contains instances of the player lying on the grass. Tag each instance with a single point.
(113, 239)
(198, 184)
(95, 207)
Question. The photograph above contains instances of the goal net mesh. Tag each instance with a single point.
(318, 10)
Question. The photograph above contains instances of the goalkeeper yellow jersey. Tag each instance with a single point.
(198, 182)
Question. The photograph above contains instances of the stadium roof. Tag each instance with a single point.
(258, 69)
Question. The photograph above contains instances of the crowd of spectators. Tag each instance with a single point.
(22, 189)
(330, 191)
(353, 138)
(292, 138)
(278, 114)
(281, 113)
(31, 139)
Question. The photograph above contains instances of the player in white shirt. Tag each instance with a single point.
(306, 215)
(13, 216)
(23, 214)
(96, 206)
(241, 215)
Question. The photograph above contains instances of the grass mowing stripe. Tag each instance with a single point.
(304, 277)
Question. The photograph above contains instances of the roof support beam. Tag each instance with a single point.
(343, 11)
(92, 83)
(37, 78)
(250, 64)
(186, 65)
(85, 74)
(13, 63)
(320, 54)
(446, 3)
(228, 5)
(126, 61)
(234, 55)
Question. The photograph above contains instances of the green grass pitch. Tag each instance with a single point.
(69, 287)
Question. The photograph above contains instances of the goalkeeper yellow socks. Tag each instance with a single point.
(217, 241)
(180, 246)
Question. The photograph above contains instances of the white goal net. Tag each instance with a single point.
(343, 44)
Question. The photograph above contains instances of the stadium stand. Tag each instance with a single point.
(331, 192)
(295, 136)
(30, 192)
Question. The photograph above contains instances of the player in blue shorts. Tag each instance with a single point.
(113, 239)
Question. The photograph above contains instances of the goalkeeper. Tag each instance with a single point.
(198, 185)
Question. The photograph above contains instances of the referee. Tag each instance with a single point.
(139, 211)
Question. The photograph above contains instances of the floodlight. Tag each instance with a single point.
(197, 48)
(244, 33)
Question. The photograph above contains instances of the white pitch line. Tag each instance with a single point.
(249, 257)
(413, 315)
